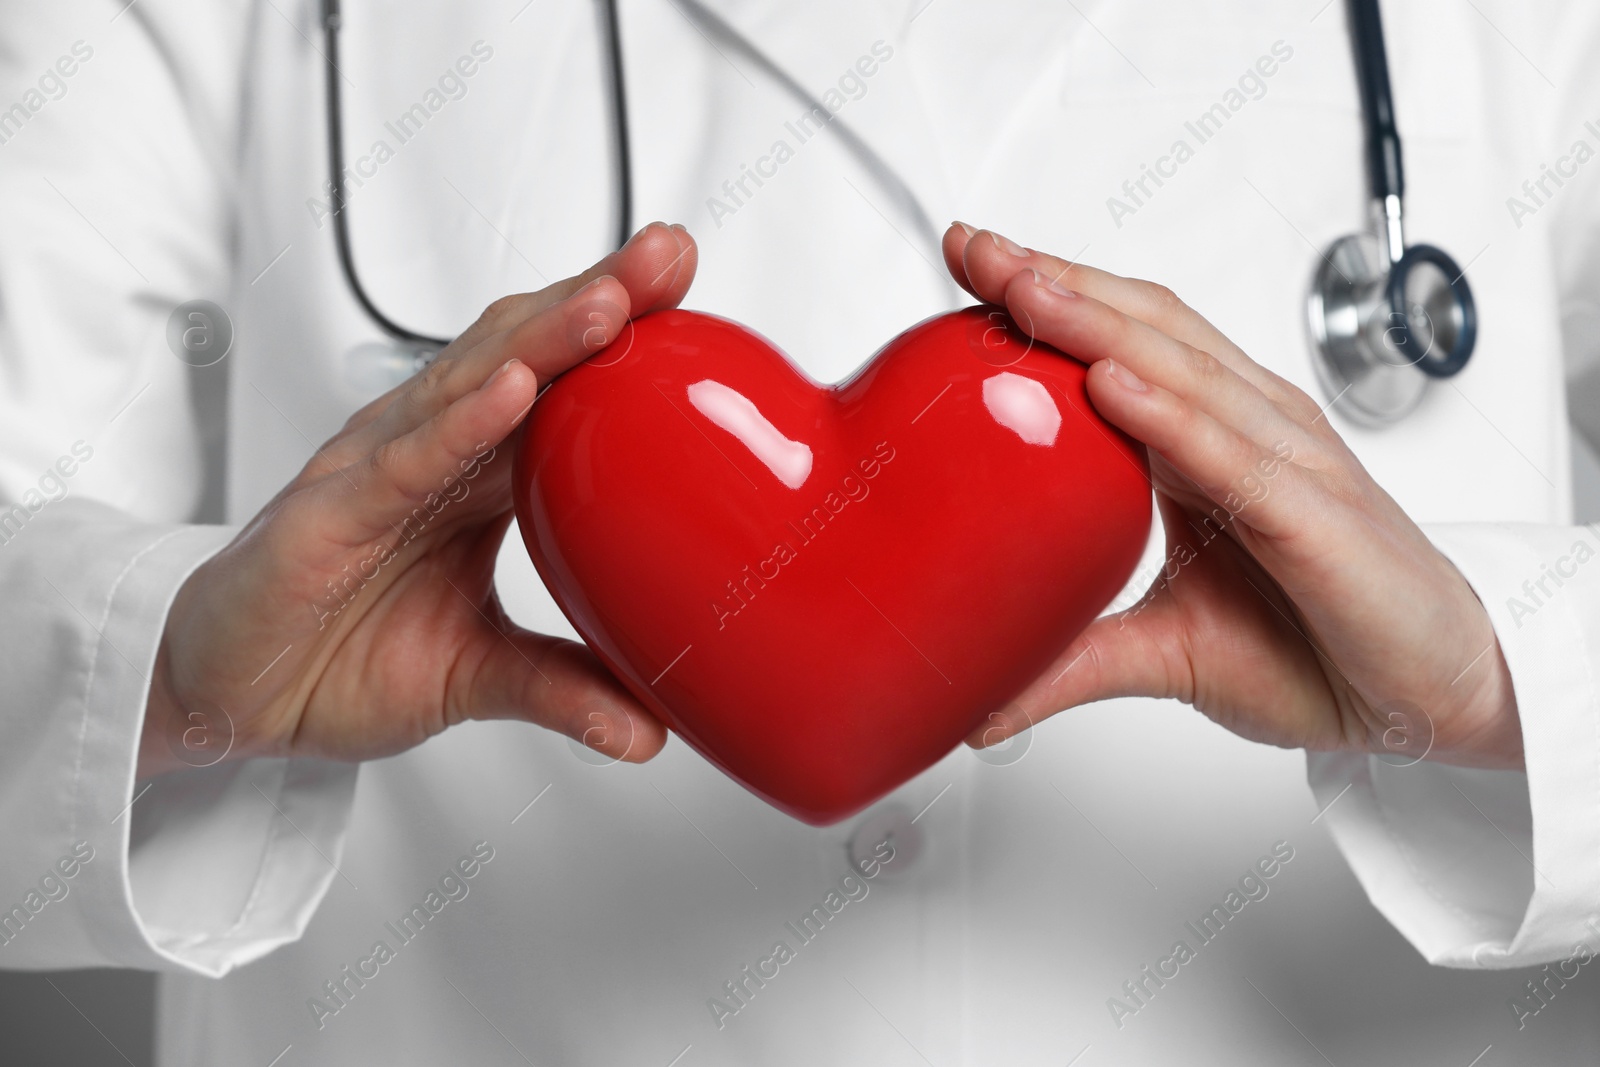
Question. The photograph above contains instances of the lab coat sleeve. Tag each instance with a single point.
(1495, 868)
(117, 133)
(1572, 221)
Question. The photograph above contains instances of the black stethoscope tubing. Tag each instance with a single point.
(1387, 180)
(1385, 174)
(331, 24)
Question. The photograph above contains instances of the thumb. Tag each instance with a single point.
(562, 686)
(1137, 652)
(509, 672)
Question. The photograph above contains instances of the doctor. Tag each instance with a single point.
(361, 875)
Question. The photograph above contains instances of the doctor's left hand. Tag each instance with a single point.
(355, 616)
(1298, 604)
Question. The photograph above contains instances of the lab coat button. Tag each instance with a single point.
(888, 838)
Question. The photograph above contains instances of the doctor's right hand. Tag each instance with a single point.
(355, 616)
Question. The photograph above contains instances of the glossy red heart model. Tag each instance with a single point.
(824, 589)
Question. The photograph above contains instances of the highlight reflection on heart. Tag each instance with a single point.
(823, 589)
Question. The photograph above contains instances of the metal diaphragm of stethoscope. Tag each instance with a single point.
(1385, 319)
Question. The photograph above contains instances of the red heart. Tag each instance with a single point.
(824, 589)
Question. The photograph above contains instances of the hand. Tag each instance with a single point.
(355, 616)
(1297, 604)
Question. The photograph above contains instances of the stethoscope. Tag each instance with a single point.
(1381, 312)
(1385, 318)
(412, 350)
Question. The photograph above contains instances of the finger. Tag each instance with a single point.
(507, 672)
(552, 341)
(954, 248)
(655, 268)
(654, 271)
(562, 686)
(1137, 652)
(555, 340)
(1262, 489)
(991, 261)
(1210, 606)
(375, 497)
(1092, 331)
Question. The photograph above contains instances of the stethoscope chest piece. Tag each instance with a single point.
(1346, 307)
(1381, 331)
(1385, 318)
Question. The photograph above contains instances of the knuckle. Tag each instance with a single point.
(1179, 422)
(1162, 300)
(1202, 365)
(386, 462)
(315, 469)
(1289, 398)
(435, 374)
(363, 415)
(429, 385)
(1300, 407)
(503, 312)
(1346, 487)
(450, 435)
(334, 455)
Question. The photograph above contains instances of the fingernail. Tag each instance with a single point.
(588, 288)
(499, 372)
(1125, 377)
(1050, 284)
(594, 320)
(968, 230)
(640, 231)
(1008, 246)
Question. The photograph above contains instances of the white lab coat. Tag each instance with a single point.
(183, 161)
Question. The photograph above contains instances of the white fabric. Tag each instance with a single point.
(184, 160)
(1486, 868)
